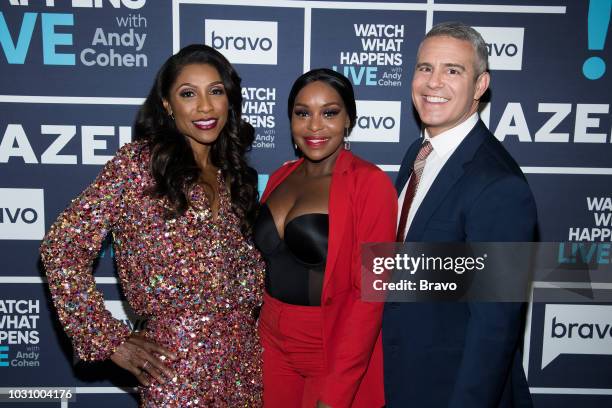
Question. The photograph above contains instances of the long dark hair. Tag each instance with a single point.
(173, 164)
(339, 82)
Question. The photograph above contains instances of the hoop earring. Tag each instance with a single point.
(347, 143)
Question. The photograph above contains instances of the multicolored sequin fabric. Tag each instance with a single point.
(196, 279)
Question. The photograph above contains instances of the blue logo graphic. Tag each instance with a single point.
(4, 356)
(262, 180)
(358, 75)
(599, 20)
(590, 253)
(15, 52)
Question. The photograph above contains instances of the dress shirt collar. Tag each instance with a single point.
(446, 142)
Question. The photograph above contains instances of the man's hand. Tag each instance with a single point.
(138, 356)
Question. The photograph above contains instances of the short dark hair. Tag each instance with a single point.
(337, 81)
(464, 32)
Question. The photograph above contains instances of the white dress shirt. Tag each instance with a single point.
(443, 145)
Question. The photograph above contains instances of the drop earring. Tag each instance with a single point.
(347, 143)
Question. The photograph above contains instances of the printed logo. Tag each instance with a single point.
(130, 4)
(259, 109)
(51, 26)
(505, 45)
(377, 59)
(377, 121)
(19, 329)
(121, 46)
(4, 356)
(576, 329)
(262, 181)
(243, 41)
(22, 213)
(601, 208)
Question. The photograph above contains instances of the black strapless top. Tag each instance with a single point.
(294, 265)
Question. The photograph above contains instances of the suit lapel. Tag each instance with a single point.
(450, 173)
(278, 178)
(340, 196)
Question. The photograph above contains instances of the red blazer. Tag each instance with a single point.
(362, 208)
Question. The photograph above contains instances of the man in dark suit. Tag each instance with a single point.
(457, 184)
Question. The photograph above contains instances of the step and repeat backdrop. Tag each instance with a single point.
(74, 73)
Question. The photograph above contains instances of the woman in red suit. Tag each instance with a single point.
(321, 341)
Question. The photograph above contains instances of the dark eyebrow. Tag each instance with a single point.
(324, 106)
(214, 83)
(447, 65)
(333, 103)
(451, 65)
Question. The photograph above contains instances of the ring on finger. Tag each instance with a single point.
(145, 365)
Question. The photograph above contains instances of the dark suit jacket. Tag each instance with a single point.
(362, 208)
(462, 354)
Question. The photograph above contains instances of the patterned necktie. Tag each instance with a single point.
(413, 184)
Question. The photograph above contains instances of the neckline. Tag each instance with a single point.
(287, 223)
(341, 165)
(206, 204)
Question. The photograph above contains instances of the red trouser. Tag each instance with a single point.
(293, 359)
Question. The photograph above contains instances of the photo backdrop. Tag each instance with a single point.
(74, 73)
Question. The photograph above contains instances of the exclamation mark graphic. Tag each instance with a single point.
(599, 20)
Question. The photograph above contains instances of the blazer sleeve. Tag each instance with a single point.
(504, 212)
(68, 252)
(375, 220)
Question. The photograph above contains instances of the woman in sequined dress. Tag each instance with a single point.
(321, 342)
(180, 202)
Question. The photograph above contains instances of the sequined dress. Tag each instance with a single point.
(195, 278)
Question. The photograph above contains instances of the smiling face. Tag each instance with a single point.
(445, 89)
(199, 103)
(318, 121)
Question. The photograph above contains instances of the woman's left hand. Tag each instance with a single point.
(141, 356)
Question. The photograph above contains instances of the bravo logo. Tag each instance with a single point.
(22, 213)
(505, 45)
(377, 121)
(576, 329)
(243, 41)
